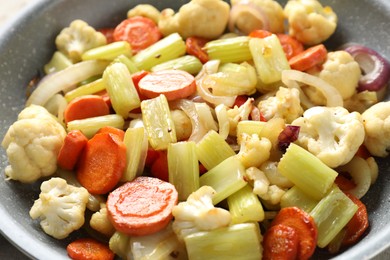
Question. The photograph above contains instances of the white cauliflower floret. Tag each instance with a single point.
(285, 104)
(251, 15)
(376, 120)
(338, 64)
(32, 144)
(198, 213)
(309, 21)
(79, 37)
(145, 10)
(60, 207)
(100, 222)
(202, 18)
(237, 114)
(330, 133)
(253, 150)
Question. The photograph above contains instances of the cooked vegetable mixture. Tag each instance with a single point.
(221, 131)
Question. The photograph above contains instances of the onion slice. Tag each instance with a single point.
(375, 67)
(65, 79)
(333, 97)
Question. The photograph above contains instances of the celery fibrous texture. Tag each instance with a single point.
(158, 122)
(226, 178)
(212, 149)
(234, 49)
(90, 126)
(306, 171)
(58, 62)
(87, 89)
(108, 52)
(183, 168)
(249, 127)
(294, 197)
(188, 63)
(128, 62)
(239, 241)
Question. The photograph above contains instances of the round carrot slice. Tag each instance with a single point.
(309, 58)
(280, 242)
(139, 31)
(291, 46)
(174, 84)
(88, 248)
(86, 106)
(142, 206)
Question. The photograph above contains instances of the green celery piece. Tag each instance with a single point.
(58, 62)
(249, 127)
(188, 63)
(226, 178)
(235, 242)
(90, 126)
(128, 62)
(87, 89)
(234, 49)
(294, 197)
(108, 52)
(331, 215)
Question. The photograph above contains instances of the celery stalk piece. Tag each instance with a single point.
(269, 58)
(245, 206)
(294, 197)
(90, 126)
(136, 141)
(183, 168)
(121, 89)
(212, 149)
(168, 48)
(57, 62)
(128, 62)
(188, 63)
(234, 49)
(108, 52)
(249, 127)
(239, 241)
(158, 122)
(306, 171)
(331, 215)
(87, 89)
(226, 178)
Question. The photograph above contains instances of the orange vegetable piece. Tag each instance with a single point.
(280, 242)
(139, 31)
(102, 163)
(89, 249)
(71, 149)
(194, 46)
(159, 167)
(260, 33)
(344, 183)
(142, 206)
(291, 46)
(113, 130)
(363, 152)
(85, 107)
(174, 84)
(309, 58)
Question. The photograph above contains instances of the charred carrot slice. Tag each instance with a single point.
(305, 227)
(309, 58)
(113, 130)
(139, 31)
(88, 248)
(194, 46)
(142, 206)
(102, 163)
(280, 242)
(73, 145)
(85, 107)
(174, 84)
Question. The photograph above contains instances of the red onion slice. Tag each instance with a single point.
(376, 69)
(288, 135)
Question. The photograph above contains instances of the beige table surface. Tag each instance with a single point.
(8, 8)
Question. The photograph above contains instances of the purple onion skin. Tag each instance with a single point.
(377, 78)
(287, 136)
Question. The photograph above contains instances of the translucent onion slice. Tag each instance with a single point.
(333, 97)
(65, 79)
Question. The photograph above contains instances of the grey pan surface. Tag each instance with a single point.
(26, 44)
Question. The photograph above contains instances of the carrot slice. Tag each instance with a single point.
(280, 242)
(305, 227)
(194, 46)
(358, 224)
(139, 31)
(71, 149)
(260, 33)
(142, 206)
(309, 58)
(159, 167)
(344, 183)
(291, 46)
(85, 107)
(88, 248)
(113, 130)
(174, 84)
(102, 163)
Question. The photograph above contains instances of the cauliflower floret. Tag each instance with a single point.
(253, 150)
(237, 114)
(145, 10)
(256, 14)
(198, 213)
(100, 222)
(376, 120)
(202, 18)
(285, 104)
(183, 125)
(78, 38)
(309, 21)
(60, 207)
(330, 133)
(32, 144)
(337, 65)
(270, 170)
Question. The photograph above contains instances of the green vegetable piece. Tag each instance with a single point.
(294, 197)
(58, 62)
(108, 52)
(234, 49)
(87, 89)
(188, 63)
